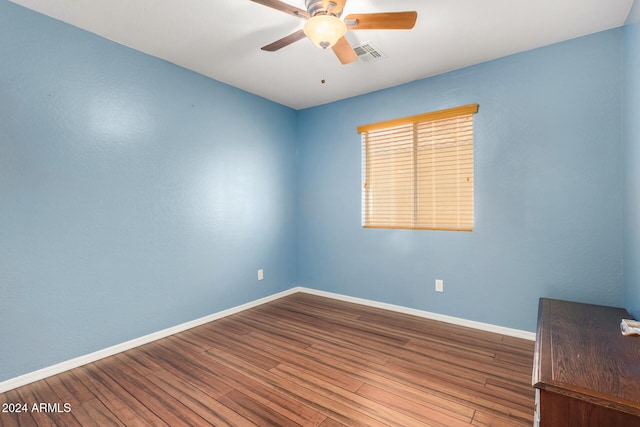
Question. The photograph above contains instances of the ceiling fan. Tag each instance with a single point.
(325, 29)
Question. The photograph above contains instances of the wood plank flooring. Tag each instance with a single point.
(301, 360)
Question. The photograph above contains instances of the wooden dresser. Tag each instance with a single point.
(586, 373)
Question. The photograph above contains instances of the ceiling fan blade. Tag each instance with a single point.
(344, 51)
(381, 21)
(285, 41)
(283, 7)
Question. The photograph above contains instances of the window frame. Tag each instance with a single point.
(405, 125)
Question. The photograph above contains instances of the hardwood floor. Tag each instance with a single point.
(301, 360)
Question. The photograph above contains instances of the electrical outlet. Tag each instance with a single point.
(260, 274)
(439, 285)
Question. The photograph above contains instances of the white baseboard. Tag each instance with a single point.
(517, 333)
(118, 348)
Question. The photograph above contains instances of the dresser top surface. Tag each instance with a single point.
(580, 352)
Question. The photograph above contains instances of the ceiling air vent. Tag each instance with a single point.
(368, 53)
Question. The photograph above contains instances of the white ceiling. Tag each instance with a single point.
(222, 38)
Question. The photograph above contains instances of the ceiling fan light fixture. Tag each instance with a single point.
(324, 30)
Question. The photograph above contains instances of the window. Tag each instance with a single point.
(417, 172)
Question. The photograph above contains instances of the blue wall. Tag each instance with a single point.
(134, 195)
(632, 167)
(548, 195)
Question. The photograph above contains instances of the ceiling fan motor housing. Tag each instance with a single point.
(315, 7)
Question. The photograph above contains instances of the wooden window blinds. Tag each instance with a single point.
(417, 172)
